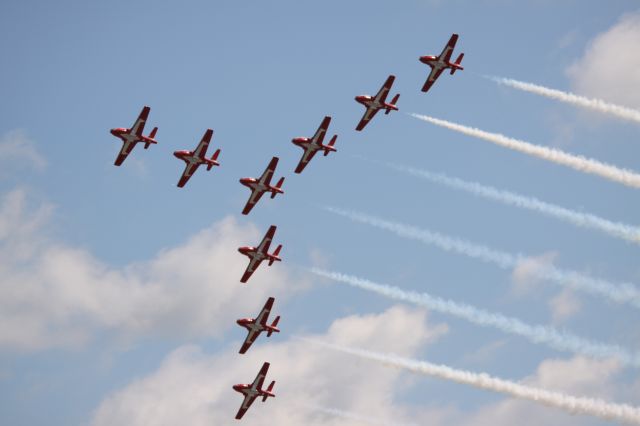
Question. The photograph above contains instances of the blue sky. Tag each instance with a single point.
(260, 74)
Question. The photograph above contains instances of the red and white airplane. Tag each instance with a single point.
(441, 62)
(377, 102)
(130, 137)
(314, 144)
(260, 253)
(196, 158)
(259, 186)
(255, 326)
(254, 390)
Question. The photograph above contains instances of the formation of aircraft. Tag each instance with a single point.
(130, 137)
(314, 144)
(254, 390)
(257, 325)
(196, 158)
(442, 62)
(260, 253)
(261, 185)
(373, 104)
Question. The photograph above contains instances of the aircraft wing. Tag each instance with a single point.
(262, 374)
(368, 115)
(266, 240)
(433, 76)
(322, 130)
(246, 403)
(251, 337)
(253, 200)
(187, 173)
(448, 49)
(201, 150)
(126, 149)
(381, 96)
(251, 268)
(268, 172)
(309, 152)
(264, 313)
(138, 126)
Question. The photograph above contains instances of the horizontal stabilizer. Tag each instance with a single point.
(457, 64)
(332, 142)
(278, 186)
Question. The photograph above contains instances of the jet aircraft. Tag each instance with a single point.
(254, 390)
(314, 144)
(259, 186)
(257, 325)
(260, 253)
(442, 62)
(377, 102)
(130, 137)
(196, 158)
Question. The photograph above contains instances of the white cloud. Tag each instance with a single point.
(193, 388)
(575, 376)
(610, 67)
(17, 148)
(55, 295)
(526, 275)
(564, 305)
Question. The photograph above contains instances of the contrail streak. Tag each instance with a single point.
(534, 333)
(585, 220)
(570, 98)
(572, 404)
(620, 293)
(583, 164)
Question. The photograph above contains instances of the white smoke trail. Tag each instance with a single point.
(620, 293)
(534, 333)
(585, 220)
(583, 164)
(570, 98)
(572, 404)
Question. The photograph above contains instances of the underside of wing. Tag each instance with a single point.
(368, 115)
(306, 157)
(253, 200)
(433, 76)
(138, 126)
(126, 149)
(251, 337)
(186, 174)
(246, 403)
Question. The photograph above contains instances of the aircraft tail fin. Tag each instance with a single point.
(394, 101)
(214, 159)
(150, 139)
(274, 255)
(457, 64)
(331, 143)
(268, 392)
(274, 327)
(278, 187)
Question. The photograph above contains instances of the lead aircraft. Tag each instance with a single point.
(254, 390)
(442, 62)
(260, 253)
(195, 159)
(257, 325)
(130, 137)
(377, 102)
(259, 186)
(314, 144)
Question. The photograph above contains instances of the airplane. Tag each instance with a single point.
(441, 62)
(255, 326)
(130, 137)
(377, 102)
(314, 144)
(259, 186)
(260, 253)
(196, 158)
(254, 390)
